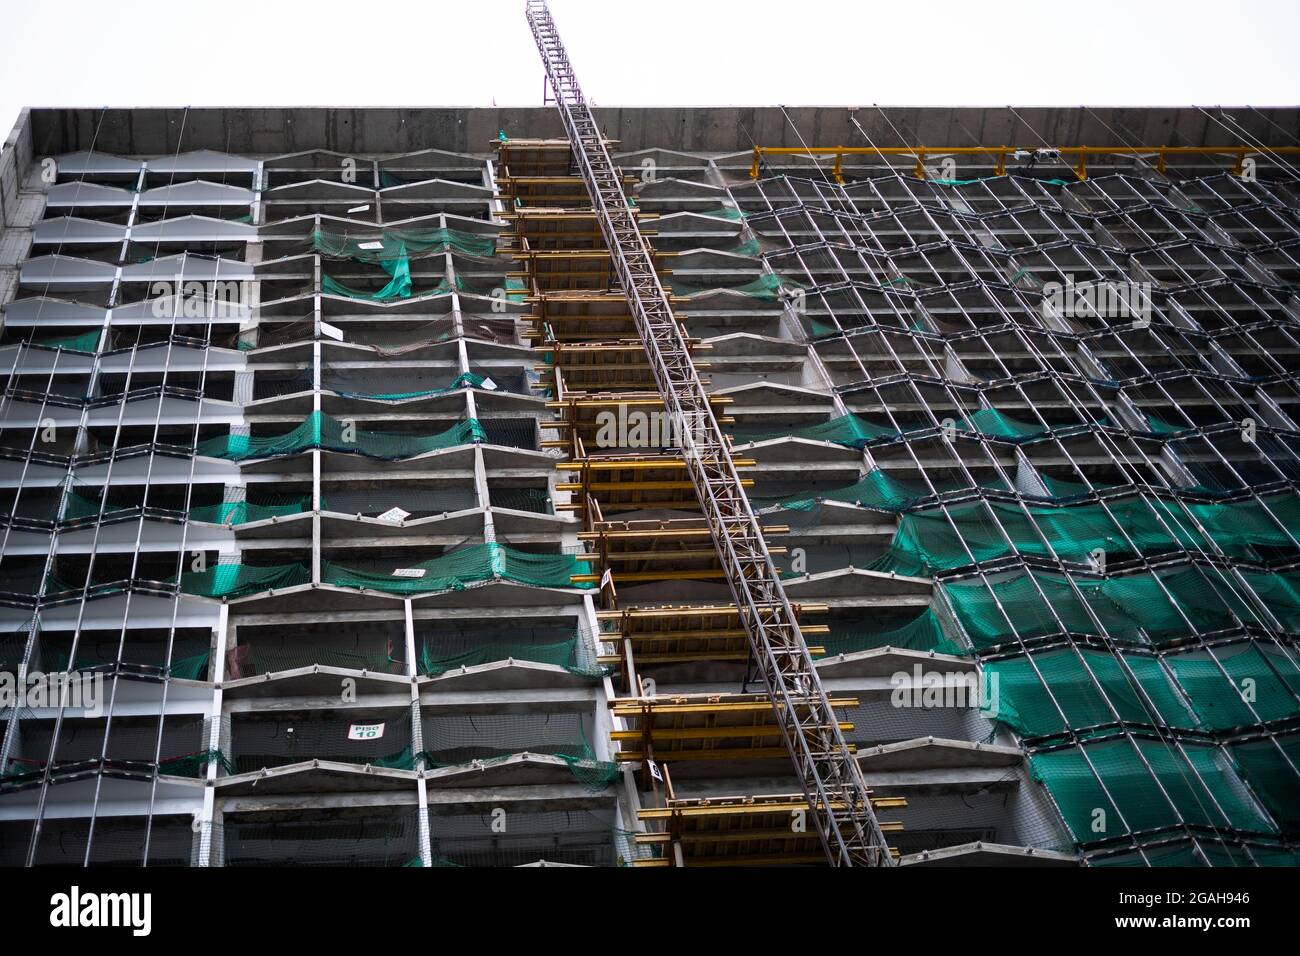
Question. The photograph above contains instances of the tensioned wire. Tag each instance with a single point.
(135, 557)
(841, 228)
(1166, 396)
(911, 453)
(45, 781)
(1230, 585)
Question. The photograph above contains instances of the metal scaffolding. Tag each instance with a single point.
(832, 783)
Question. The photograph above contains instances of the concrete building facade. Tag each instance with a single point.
(330, 465)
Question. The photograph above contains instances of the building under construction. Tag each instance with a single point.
(650, 487)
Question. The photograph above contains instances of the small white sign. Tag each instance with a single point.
(365, 731)
(409, 572)
(606, 578)
(373, 244)
(359, 208)
(654, 769)
(489, 384)
(397, 516)
(332, 331)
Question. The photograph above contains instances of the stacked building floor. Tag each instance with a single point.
(328, 443)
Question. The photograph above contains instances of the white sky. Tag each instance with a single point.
(696, 52)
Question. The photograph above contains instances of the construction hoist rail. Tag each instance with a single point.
(832, 782)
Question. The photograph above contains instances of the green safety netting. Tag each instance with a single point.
(992, 423)
(1259, 676)
(195, 764)
(464, 380)
(930, 541)
(322, 431)
(456, 570)
(87, 503)
(1157, 426)
(1131, 607)
(1270, 775)
(243, 512)
(723, 212)
(876, 489)
(1215, 854)
(1082, 683)
(87, 342)
(1217, 799)
(922, 634)
(750, 247)
(397, 287)
(850, 430)
(855, 432)
(1060, 489)
(572, 655)
(189, 656)
(766, 287)
(194, 667)
(238, 580)
(398, 243)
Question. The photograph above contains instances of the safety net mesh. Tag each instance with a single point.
(374, 840)
(1133, 607)
(1201, 786)
(856, 432)
(416, 502)
(766, 287)
(1212, 853)
(188, 657)
(370, 385)
(239, 580)
(128, 743)
(266, 656)
(992, 423)
(1265, 765)
(1225, 684)
(323, 431)
(936, 540)
(116, 841)
(86, 342)
(458, 569)
(877, 489)
(393, 244)
(398, 285)
(261, 507)
(443, 652)
(506, 837)
(924, 633)
(454, 740)
(377, 739)
(535, 500)
(852, 431)
(1093, 689)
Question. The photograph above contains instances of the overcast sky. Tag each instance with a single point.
(665, 52)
